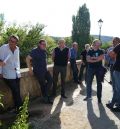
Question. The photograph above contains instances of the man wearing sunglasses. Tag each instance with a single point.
(10, 69)
(38, 57)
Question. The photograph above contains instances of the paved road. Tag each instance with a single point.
(74, 113)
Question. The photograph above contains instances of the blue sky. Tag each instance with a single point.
(57, 14)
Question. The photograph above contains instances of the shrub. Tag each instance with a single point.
(22, 119)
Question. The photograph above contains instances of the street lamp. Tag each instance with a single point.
(100, 22)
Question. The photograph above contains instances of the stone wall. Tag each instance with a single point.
(28, 84)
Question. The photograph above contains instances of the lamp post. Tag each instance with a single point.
(100, 22)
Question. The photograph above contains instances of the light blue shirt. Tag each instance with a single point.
(11, 70)
(73, 53)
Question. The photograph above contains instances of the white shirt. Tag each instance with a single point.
(11, 70)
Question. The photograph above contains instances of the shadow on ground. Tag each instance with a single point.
(101, 122)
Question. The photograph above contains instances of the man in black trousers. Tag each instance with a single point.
(60, 58)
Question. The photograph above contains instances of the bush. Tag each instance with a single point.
(22, 119)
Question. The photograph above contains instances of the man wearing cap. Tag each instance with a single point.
(10, 69)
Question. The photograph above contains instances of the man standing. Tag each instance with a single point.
(111, 61)
(10, 71)
(94, 59)
(83, 64)
(60, 58)
(73, 56)
(38, 58)
(115, 54)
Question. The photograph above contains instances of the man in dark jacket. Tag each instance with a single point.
(60, 58)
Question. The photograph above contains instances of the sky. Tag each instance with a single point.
(56, 15)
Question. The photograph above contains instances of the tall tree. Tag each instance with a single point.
(81, 27)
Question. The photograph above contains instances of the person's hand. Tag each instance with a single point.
(2, 63)
(30, 72)
(1, 76)
(94, 58)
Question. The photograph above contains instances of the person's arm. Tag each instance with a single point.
(95, 59)
(28, 61)
(53, 55)
(112, 54)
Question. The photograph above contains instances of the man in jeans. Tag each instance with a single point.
(73, 56)
(111, 61)
(94, 59)
(60, 58)
(38, 58)
(10, 70)
(115, 54)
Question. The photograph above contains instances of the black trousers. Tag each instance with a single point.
(82, 68)
(56, 71)
(45, 82)
(14, 85)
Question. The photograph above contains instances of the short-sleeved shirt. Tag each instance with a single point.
(116, 66)
(84, 54)
(39, 61)
(93, 53)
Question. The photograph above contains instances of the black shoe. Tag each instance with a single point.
(99, 101)
(77, 82)
(109, 105)
(49, 102)
(116, 109)
(110, 82)
(87, 98)
(63, 96)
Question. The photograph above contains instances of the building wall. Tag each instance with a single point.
(28, 84)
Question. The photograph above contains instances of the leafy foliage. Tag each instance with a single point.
(106, 45)
(21, 121)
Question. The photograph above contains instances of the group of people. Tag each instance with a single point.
(91, 60)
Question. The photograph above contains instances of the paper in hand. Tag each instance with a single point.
(7, 58)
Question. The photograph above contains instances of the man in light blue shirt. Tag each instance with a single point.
(10, 70)
(73, 56)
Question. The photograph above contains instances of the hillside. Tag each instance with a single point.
(104, 38)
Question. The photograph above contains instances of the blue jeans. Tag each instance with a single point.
(116, 92)
(74, 69)
(112, 77)
(90, 75)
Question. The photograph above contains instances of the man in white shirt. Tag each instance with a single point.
(10, 70)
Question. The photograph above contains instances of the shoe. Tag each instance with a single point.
(109, 105)
(49, 102)
(99, 101)
(77, 82)
(63, 96)
(110, 82)
(87, 98)
(116, 109)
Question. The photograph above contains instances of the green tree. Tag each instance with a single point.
(51, 44)
(68, 41)
(81, 27)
